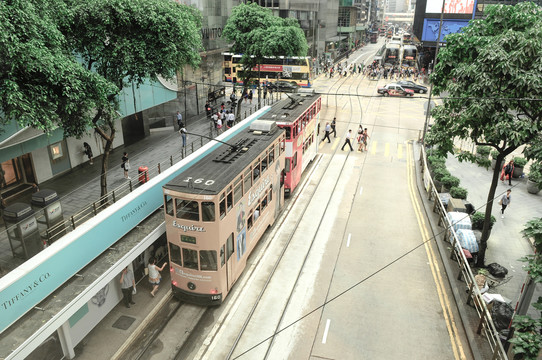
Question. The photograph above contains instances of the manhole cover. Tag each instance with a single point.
(123, 322)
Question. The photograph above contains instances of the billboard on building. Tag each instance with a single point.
(450, 6)
(449, 26)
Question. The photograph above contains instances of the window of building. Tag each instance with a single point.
(175, 254)
(190, 258)
(207, 260)
(208, 211)
(187, 210)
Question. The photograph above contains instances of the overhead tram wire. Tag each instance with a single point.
(368, 277)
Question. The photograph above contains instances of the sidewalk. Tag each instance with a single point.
(80, 186)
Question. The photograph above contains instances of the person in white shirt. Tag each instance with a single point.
(347, 140)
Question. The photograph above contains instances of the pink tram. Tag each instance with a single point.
(300, 118)
(219, 207)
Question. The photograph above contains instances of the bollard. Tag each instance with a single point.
(245, 114)
(159, 171)
(171, 160)
(201, 140)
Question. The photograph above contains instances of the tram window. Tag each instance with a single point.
(207, 260)
(229, 198)
(271, 155)
(294, 165)
(288, 132)
(222, 206)
(247, 180)
(271, 193)
(188, 210)
(238, 192)
(249, 221)
(264, 164)
(281, 147)
(168, 201)
(287, 165)
(264, 202)
(257, 213)
(175, 253)
(208, 211)
(229, 246)
(190, 258)
(256, 171)
(222, 255)
(188, 239)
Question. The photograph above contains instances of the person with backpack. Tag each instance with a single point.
(507, 171)
(179, 119)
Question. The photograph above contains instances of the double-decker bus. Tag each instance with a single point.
(392, 54)
(410, 56)
(292, 69)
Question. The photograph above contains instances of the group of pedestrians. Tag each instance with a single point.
(128, 285)
(362, 138)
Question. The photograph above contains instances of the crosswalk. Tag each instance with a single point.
(374, 147)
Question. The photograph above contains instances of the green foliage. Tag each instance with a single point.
(434, 160)
(533, 229)
(483, 150)
(520, 161)
(441, 173)
(527, 339)
(477, 220)
(256, 33)
(494, 154)
(450, 181)
(41, 83)
(459, 192)
(535, 173)
(483, 162)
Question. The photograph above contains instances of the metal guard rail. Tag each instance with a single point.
(485, 324)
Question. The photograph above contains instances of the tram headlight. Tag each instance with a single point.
(214, 291)
(191, 286)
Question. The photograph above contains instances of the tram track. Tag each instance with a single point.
(315, 189)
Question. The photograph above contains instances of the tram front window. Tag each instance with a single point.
(190, 258)
(175, 253)
(207, 260)
(208, 211)
(169, 205)
(187, 210)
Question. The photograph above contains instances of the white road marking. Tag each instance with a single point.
(348, 241)
(360, 189)
(325, 331)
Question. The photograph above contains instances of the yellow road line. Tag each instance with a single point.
(335, 143)
(399, 151)
(453, 333)
(373, 147)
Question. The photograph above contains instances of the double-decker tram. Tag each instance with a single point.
(293, 69)
(217, 210)
(392, 54)
(299, 115)
(410, 56)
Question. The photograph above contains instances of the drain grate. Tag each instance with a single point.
(124, 322)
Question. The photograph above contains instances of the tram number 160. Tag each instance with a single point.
(199, 181)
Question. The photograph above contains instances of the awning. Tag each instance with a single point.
(336, 38)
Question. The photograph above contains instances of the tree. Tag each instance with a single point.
(256, 33)
(41, 83)
(491, 74)
(128, 41)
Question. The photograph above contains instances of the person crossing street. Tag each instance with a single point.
(327, 130)
(347, 141)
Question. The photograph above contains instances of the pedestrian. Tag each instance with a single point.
(231, 120)
(154, 275)
(507, 171)
(326, 134)
(88, 151)
(347, 141)
(127, 285)
(245, 95)
(208, 109)
(264, 92)
(125, 165)
(215, 119)
(365, 138)
(505, 201)
(179, 119)
(219, 126)
(250, 95)
(360, 138)
(333, 127)
(182, 131)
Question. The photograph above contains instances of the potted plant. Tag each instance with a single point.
(477, 221)
(519, 163)
(494, 154)
(534, 181)
(438, 174)
(458, 192)
(448, 182)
